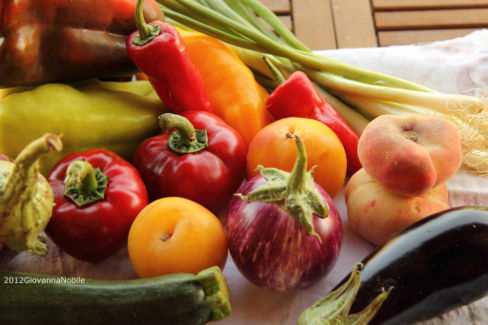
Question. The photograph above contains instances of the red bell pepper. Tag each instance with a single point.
(205, 165)
(97, 195)
(158, 50)
(298, 97)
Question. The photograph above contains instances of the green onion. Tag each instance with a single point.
(253, 31)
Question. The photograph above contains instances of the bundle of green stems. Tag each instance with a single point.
(359, 95)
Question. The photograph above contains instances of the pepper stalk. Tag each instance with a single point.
(146, 32)
(185, 139)
(84, 184)
(368, 92)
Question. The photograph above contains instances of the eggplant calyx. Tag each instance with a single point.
(334, 308)
(295, 191)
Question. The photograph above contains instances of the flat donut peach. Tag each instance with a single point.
(410, 154)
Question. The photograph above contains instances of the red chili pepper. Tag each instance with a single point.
(97, 195)
(205, 165)
(298, 97)
(158, 50)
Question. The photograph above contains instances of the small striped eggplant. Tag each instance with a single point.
(284, 232)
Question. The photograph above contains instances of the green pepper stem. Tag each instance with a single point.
(169, 121)
(142, 26)
(186, 139)
(82, 175)
(84, 184)
(146, 32)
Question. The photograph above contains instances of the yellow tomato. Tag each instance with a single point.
(271, 148)
(173, 235)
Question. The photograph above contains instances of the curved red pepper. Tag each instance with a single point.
(158, 50)
(209, 176)
(298, 97)
(99, 227)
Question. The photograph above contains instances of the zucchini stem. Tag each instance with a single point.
(216, 292)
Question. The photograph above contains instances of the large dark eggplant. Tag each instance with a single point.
(434, 266)
(437, 264)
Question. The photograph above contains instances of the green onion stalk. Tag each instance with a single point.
(359, 95)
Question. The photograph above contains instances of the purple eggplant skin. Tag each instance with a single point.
(435, 265)
(272, 250)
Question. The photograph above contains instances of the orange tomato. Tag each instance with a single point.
(173, 235)
(271, 148)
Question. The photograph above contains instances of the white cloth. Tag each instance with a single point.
(454, 66)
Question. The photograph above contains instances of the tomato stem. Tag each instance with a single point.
(84, 184)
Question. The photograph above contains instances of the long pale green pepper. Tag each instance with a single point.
(92, 114)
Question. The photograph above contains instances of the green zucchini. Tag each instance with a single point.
(170, 299)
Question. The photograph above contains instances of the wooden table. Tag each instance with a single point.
(328, 24)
